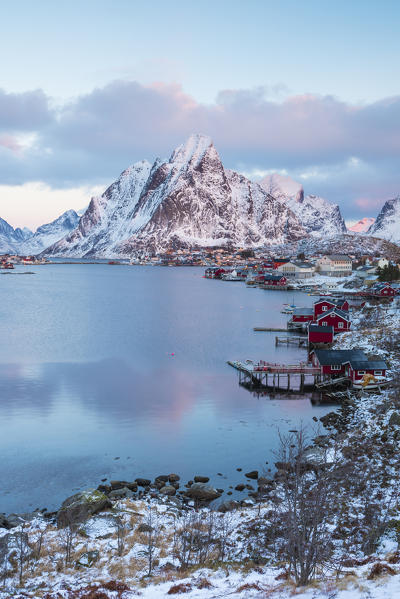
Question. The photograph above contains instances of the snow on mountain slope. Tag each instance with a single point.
(387, 224)
(189, 200)
(10, 238)
(282, 187)
(362, 225)
(317, 215)
(49, 233)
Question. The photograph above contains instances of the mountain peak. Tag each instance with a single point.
(193, 150)
(362, 225)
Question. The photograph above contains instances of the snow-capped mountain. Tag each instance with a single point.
(24, 241)
(10, 238)
(387, 224)
(362, 225)
(319, 217)
(49, 233)
(189, 200)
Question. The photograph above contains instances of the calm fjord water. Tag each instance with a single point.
(121, 372)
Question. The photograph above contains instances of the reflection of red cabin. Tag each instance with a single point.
(303, 315)
(338, 319)
(319, 334)
(324, 305)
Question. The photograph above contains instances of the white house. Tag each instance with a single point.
(335, 265)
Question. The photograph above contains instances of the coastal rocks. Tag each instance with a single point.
(202, 492)
(168, 490)
(123, 493)
(174, 478)
(4, 523)
(143, 482)
(78, 508)
(253, 474)
(228, 506)
(201, 479)
(121, 484)
(240, 487)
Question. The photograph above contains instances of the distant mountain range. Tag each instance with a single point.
(363, 225)
(25, 242)
(192, 200)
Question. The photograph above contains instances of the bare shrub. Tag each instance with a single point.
(308, 493)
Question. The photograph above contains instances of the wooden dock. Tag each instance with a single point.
(268, 375)
(292, 340)
(333, 382)
(268, 329)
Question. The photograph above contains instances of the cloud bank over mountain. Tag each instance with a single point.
(345, 152)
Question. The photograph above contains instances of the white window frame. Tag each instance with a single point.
(324, 323)
(378, 372)
(336, 367)
(324, 308)
(361, 372)
(340, 325)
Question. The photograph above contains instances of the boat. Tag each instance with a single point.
(370, 382)
(231, 276)
(7, 265)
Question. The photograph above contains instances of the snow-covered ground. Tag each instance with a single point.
(239, 564)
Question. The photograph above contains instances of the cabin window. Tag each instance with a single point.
(324, 308)
(340, 325)
(378, 372)
(335, 367)
(360, 372)
(324, 324)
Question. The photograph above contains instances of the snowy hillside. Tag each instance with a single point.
(362, 225)
(317, 215)
(387, 225)
(189, 200)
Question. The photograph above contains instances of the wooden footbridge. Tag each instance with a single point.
(270, 375)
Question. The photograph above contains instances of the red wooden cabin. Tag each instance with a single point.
(338, 319)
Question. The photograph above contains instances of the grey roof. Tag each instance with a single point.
(269, 277)
(302, 264)
(342, 313)
(338, 356)
(316, 328)
(368, 364)
(339, 257)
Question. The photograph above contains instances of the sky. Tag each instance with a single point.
(309, 89)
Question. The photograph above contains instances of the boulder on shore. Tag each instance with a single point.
(81, 506)
(202, 492)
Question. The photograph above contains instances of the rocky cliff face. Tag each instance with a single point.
(319, 217)
(387, 224)
(189, 200)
